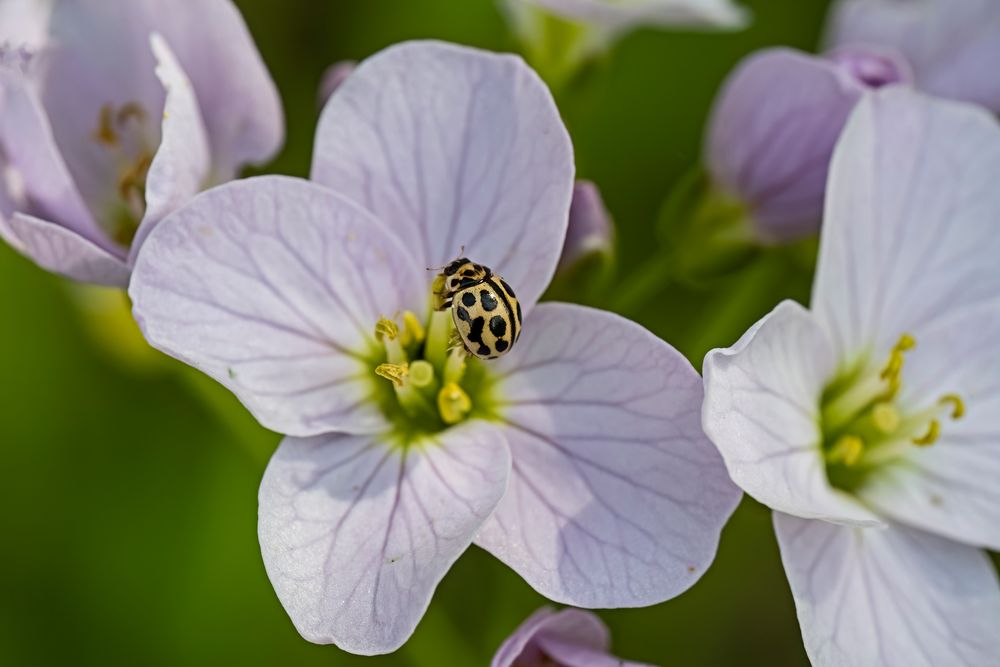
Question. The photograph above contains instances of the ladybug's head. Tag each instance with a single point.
(464, 273)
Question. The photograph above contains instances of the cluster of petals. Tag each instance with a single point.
(114, 113)
(780, 112)
(593, 479)
(889, 569)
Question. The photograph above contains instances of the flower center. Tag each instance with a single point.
(123, 132)
(863, 425)
(425, 380)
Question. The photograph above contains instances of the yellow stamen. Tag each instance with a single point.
(956, 403)
(453, 403)
(885, 417)
(413, 330)
(105, 132)
(393, 372)
(386, 329)
(931, 436)
(847, 449)
(421, 373)
(897, 358)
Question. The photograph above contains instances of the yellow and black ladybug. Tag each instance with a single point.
(486, 313)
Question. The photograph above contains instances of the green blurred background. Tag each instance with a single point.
(128, 502)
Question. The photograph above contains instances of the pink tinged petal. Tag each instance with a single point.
(617, 498)
(952, 44)
(771, 136)
(356, 533)
(334, 75)
(454, 148)
(29, 146)
(951, 488)
(893, 596)
(590, 230)
(24, 22)
(182, 161)
(762, 398)
(273, 286)
(63, 251)
(570, 637)
(618, 16)
(909, 239)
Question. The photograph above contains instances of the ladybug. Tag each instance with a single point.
(486, 313)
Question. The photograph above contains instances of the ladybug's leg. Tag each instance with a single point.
(444, 305)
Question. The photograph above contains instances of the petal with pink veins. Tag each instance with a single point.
(894, 596)
(617, 498)
(273, 286)
(460, 151)
(356, 532)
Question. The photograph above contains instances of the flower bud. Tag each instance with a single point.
(774, 127)
(332, 78)
(952, 45)
(590, 230)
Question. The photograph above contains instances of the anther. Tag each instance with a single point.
(885, 417)
(847, 449)
(413, 330)
(386, 329)
(105, 132)
(453, 403)
(931, 436)
(956, 403)
(393, 372)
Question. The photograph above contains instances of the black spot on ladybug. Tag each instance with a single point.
(466, 282)
(468, 273)
(476, 332)
(498, 326)
(488, 300)
(469, 299)
(519, 311)
(462, 313)
(501, 345)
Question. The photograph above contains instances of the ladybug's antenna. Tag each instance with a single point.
(461, 251)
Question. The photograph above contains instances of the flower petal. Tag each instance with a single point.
(772, 133)
(357, 533)
(570, 637)
(30, 148)
(459, 151)
(182, 161)
(63, 251)
(762, 398)
(617, 498)
(273, 286)
(950, 488)
(952, 44)
(24, 22)
(909, 237)
(893, 597)
(101, 56)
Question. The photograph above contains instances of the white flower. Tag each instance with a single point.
(871, 423)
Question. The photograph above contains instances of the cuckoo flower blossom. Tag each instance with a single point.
(953, 46)
(773, 130)
(567, 638)
(129, 109)
(871, 423)
(577, 458)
